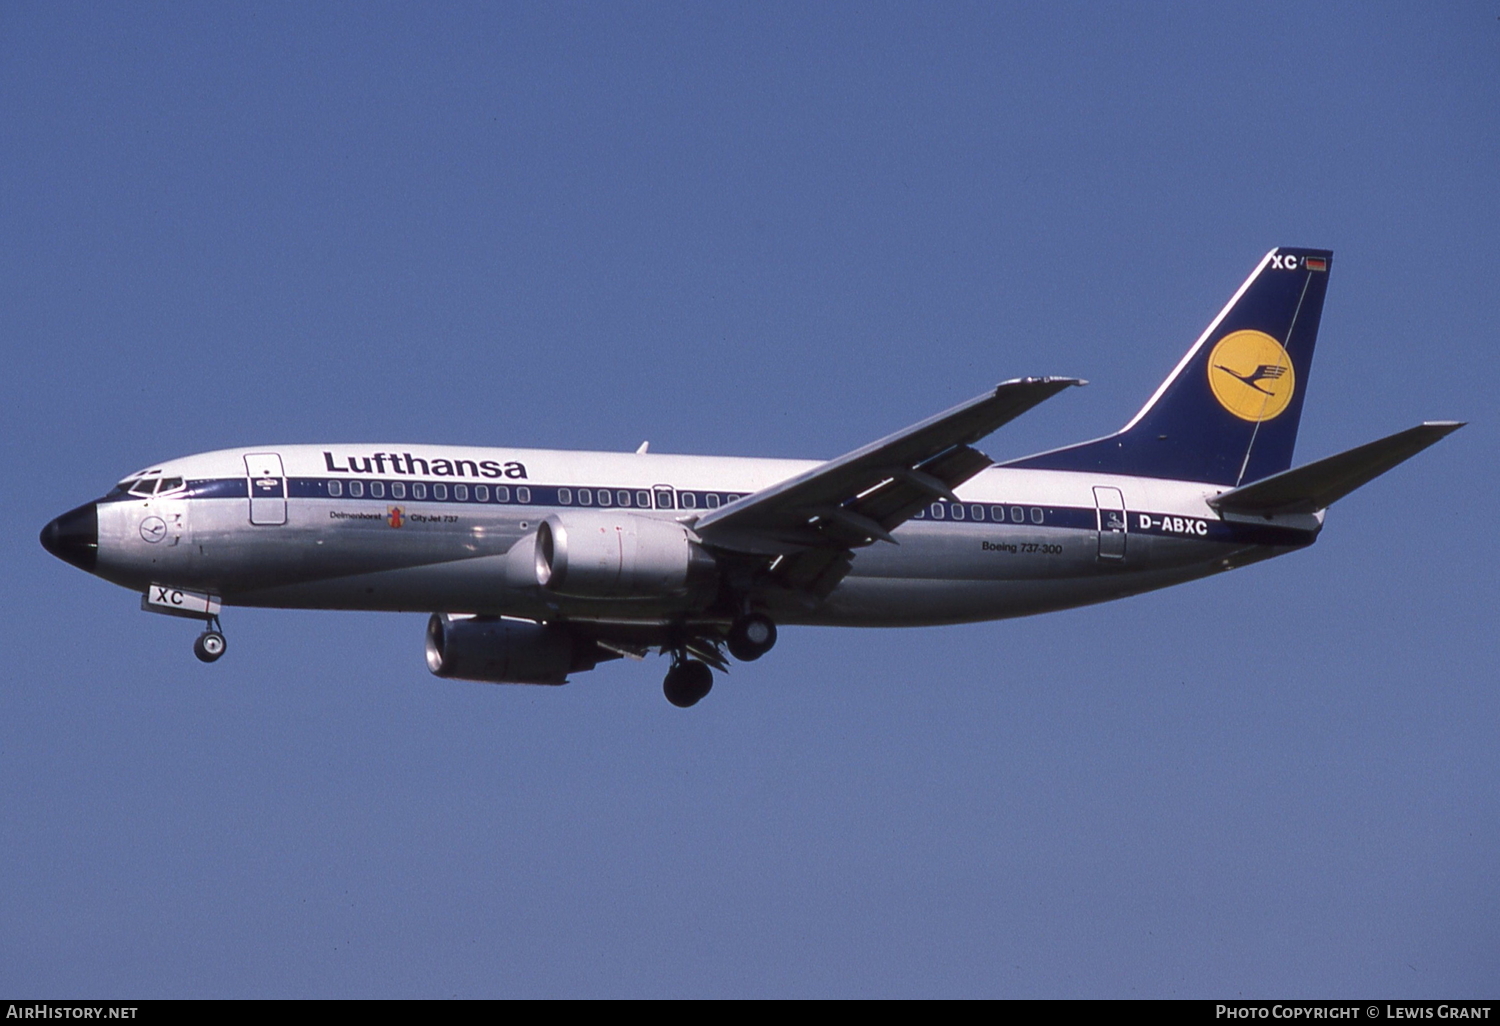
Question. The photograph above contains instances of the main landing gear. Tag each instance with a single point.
(751, 636)
(687, 683)
(690, 679)
(210, 644)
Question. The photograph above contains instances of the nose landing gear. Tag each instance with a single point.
(210, 644)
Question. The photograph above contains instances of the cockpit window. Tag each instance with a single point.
(146, 484)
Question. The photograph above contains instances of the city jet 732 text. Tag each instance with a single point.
(538, 563)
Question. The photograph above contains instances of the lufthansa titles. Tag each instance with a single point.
(405, 463)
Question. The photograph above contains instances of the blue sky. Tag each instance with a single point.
(765, 230)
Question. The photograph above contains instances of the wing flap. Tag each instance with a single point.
(816, 572)
(1320, 484)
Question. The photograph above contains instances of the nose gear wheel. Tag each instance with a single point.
(210, 645)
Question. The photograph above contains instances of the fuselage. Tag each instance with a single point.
(452, 529)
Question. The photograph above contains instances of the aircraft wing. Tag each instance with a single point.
(859, 498)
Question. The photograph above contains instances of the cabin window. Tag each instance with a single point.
(377, 489)
(997, 514)
(713, 500)
(664, 498)
(418, 490)
(398, 489)
(523, 494)
(643, 500)
(1017, 515)
(335, 488)
(622, 498)
(357, 489)
(688, 500)
(440, 492)
(585, 497)
(482, 493)
(502, 493)
(958, 511)
(976, 512)
(937, 511)
(461, 492)
(565, 496)
(1036, 514)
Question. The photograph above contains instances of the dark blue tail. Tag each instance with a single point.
(1228, 413)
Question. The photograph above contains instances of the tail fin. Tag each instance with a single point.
(1228, 413)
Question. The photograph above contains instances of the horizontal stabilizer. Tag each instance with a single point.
(1319, 485)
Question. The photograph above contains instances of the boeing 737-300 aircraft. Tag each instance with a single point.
(538, 563)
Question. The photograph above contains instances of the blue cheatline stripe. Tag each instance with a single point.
(221, 488)
(562, 497)
(507, 494)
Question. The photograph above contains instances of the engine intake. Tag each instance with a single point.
(500, 651)
(617, 555)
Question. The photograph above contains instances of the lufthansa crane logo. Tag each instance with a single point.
(1251, 375)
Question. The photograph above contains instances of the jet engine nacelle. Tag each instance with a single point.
(617, 555)
(505, 651)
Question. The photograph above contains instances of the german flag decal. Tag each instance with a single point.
(1316, 264)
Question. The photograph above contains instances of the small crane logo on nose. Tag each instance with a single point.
(153, 529)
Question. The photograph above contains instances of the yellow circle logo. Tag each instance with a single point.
(1251, 375)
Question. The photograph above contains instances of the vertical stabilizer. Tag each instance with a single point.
(1228, 413)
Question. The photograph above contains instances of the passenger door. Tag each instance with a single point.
(267, 488)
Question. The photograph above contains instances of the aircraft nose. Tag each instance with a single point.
(74, 537)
